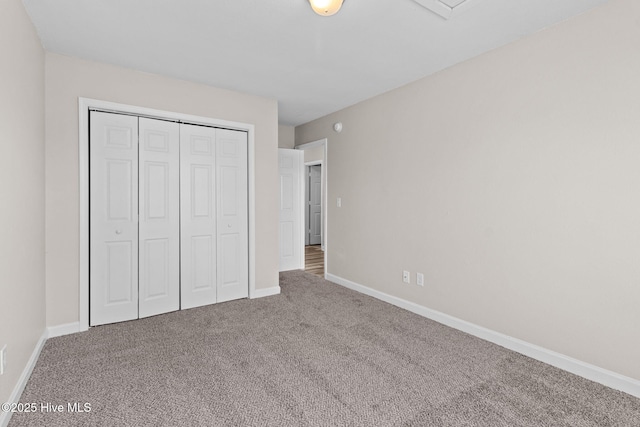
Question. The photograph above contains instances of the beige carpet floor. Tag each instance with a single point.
(316, 355)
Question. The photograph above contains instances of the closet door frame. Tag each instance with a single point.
(84, 106)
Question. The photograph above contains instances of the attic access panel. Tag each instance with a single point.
(447, 8)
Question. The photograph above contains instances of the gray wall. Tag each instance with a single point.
(22, 193)
(286, 136)
(512, 181)
(314, 154)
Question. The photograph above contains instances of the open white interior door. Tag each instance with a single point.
(291, 167)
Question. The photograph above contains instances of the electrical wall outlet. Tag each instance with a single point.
(420, 279)
(406, 276)
(3, 359)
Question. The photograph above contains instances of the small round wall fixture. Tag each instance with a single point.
(326, 7)
(337, 127)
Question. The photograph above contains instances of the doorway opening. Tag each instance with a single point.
(315, 206)
(314, 260)
(314, 255)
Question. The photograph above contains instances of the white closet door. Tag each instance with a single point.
(159, 242)
(291, 222)
(114, 218)
(198, 215)
(232, 216)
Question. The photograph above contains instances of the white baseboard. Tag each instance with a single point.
(267, 292)
(22, 381)
(577, 367)
(60, 330)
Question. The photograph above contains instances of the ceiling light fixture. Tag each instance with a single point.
(326, 7)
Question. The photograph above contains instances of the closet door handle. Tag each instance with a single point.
(118, 231)
(228, 225)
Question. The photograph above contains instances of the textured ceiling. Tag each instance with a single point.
(280, 49)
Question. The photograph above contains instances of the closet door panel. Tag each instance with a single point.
(113, 259)
(232, 215)
(159, 248)
(198, 215)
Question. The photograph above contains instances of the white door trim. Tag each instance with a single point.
(311, 144)
(325, 205)
(84, 105)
